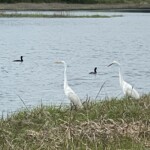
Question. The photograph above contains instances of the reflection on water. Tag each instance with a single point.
(83, 43)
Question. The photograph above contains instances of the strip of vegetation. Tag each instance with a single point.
(53, 16)
(75, 1)
(110, 124)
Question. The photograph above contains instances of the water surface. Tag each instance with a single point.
(84, 43)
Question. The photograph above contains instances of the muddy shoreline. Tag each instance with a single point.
(64, 7)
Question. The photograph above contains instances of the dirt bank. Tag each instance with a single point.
(63, 6)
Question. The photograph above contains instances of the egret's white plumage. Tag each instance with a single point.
(126, 87)
(71, 95)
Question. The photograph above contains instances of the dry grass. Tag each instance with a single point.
(65, 6)
(103, 125)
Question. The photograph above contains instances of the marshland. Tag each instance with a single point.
(35, 113)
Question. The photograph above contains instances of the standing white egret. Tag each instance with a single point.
(126, 87)
(71, 95)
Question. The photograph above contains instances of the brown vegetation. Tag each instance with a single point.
(102, 125)
(65, 6)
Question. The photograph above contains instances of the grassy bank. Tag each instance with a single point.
(69, 6)
(111, 124)
(75, 1)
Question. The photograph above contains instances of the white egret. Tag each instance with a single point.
(71, 95)
(95, 72)
(20, 60)
(126, 87)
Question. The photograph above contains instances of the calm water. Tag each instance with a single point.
(83, 43)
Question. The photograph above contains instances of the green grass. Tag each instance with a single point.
(102, 125)
(53, 16)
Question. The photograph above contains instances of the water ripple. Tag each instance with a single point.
(83, 44)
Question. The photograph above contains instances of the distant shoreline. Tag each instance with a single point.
(66, 7)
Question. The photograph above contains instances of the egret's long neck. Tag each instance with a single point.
(120, 76)
(65, 75)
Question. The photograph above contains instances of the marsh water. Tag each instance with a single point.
(84, 43)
